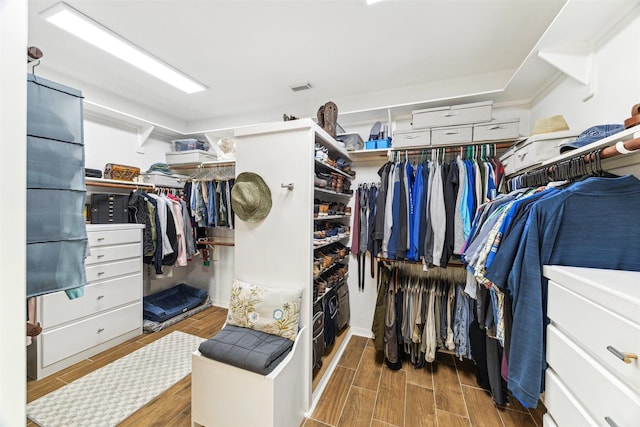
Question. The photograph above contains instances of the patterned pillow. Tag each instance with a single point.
(275, 311)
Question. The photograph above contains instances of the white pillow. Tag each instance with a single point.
(275, 311)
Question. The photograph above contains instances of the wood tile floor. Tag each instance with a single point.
(361, 392)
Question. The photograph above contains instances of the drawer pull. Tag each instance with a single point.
(100, 296)
(625, 357)
(449, 114)
(100, 239)
(495, 127)
(100, 330)
(452, 133)
(610, 422)
(411, 136)
(100, 256)
(100, 273)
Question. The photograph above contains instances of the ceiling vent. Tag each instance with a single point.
(299, 87)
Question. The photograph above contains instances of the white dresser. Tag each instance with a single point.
(595, 326)
(109, 312)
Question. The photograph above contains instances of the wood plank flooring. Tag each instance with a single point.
(443, 394)
(361, 392)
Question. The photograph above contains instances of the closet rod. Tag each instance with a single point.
(452, 263)
(214, 243)
(114, 185)
(450, 148)
(212, 164)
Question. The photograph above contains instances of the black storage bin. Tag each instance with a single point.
(109, 208)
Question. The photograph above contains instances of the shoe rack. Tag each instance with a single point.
(279, 250)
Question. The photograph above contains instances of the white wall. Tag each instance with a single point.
(617, 83)
(13, 152)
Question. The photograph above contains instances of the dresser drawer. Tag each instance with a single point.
(415, 138)
(113, 237)
(597, 390)
(113, 269)
(113, 253)
(451, 135)
(57, 308)
(562, 405)
(71, 339)
(613, 330)
(452, 115)
(496, 130)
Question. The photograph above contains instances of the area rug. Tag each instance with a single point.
(108, 395)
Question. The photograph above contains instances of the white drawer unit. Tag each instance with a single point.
(452, 135)
(593, 343)
(496, 130)
(108, 313)
(452, 115)
(416, 138)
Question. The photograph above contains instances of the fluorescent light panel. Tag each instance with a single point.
(80, 25)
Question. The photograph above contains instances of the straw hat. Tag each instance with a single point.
(549, 125)
(251, 197)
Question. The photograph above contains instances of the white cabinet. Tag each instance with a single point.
(595, 323)
(108, 313)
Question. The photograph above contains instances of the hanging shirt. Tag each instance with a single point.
(438, 215)
(458, 227)
(416, 209)
(565, 229)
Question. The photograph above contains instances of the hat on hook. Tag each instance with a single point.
(549, 125)
(593, 134)
(250, 197)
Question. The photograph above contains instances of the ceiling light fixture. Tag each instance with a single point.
(370, 2)
(80, 25)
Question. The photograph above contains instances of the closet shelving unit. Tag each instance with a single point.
(278, 251)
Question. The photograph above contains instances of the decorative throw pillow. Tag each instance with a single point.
(275, 311)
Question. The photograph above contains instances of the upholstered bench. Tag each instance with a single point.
(251, 372)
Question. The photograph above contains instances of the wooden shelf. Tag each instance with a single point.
(330, 217)
(324, 191)
(332, 169)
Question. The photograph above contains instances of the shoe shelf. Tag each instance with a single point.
(325, 191)
(330, 217)
(327, 166)
(318, 245)
(341, 261)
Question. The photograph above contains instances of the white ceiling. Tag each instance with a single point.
(362, 57)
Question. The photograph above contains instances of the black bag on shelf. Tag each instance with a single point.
(330, 317)
(92, 173)
(318, 339)
(344, 311)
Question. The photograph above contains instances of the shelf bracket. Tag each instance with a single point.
(143, 135)
(575, 61)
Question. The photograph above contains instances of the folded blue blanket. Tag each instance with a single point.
(246, 348)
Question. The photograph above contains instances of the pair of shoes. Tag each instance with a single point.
(328, 118)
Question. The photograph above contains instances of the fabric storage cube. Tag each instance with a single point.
(538, 148)
(451, 135)
(189, 156)
(55, 266)
(54, 164)
(189, 144)
(452, 115)
(413, 138)
(496, 130)
(53, 110)
(55, 215)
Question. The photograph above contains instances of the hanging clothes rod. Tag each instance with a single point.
(211, 164)
(112, 184)
(450, 148)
